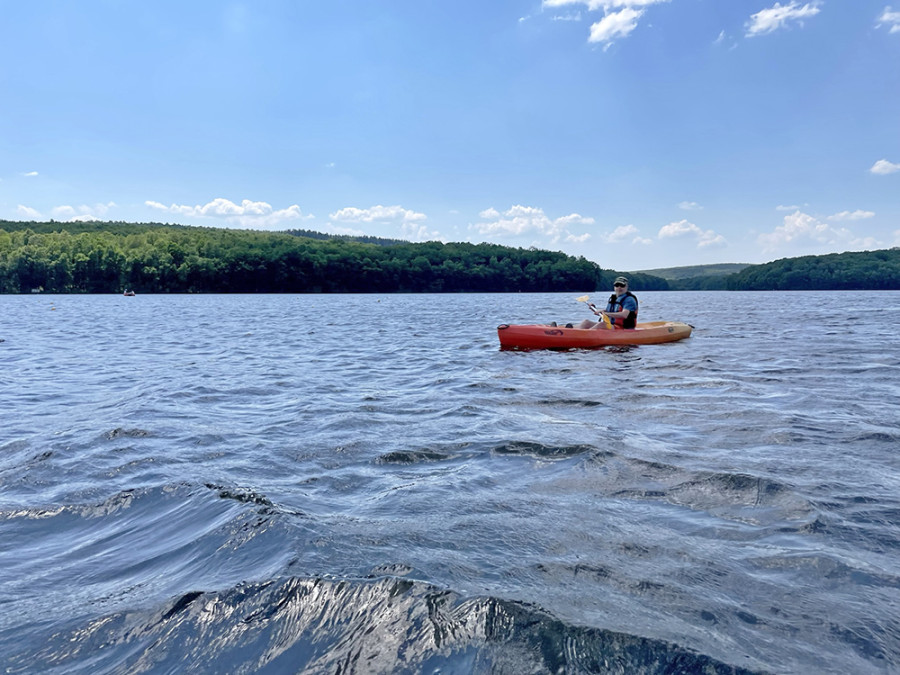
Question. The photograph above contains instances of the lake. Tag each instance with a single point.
(366, 483)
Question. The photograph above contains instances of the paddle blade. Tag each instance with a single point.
(583, 298)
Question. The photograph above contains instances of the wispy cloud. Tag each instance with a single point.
(83, 212)
(28, 212)
(883, 167)
(685, 229)
(891, 19)
(30, 174)
(615, 25)
(625, 233)
(852, 215)
(248, 213)
(520, 220)
(780, 16)
(377, 214)
(619, 21)
(690, 206)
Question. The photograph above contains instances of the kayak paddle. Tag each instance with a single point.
(585, 299)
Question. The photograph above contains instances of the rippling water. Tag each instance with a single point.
(368, 484)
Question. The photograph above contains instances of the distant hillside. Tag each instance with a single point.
(852, 271)
(97, 257)
(676, 273)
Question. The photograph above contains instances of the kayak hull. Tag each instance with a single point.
(536, 336)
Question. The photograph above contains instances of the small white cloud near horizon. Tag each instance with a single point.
(690, 206)
(779, 16)
(883, 167)
(889, 18)
(30, 174)
(81, 213)
(790, 208)
(852, 215)
(801, 229)
(28, 212)
(377, 214)
(519, 220)
(683, 228)
(247, 214)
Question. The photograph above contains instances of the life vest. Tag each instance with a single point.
(615, 305)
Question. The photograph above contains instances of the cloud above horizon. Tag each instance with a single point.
(68, 213)
(802, 228)
(520, 220)
(377, 214)
(685, 229)
(248, 213)
(780, 16)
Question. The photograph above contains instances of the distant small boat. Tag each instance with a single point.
(128, 293)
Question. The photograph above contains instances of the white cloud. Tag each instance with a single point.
(246, 214)
(690, 206)
(683, 228)
(769, 20)
(852, 215)
(28, 212)
(889, 18)
(787, 208)
(615, 25)
(417, 232)
(519, 220)
(81, 213)
(30, 174)
(883, 167)
(802, 229)
(619, 20)
(620, 234)
(380, 214)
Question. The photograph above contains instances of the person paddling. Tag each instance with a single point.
(622, 308)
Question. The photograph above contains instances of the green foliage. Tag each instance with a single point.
(154, 258)
(697, 271)
(866, 270)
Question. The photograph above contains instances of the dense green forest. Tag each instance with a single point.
(107, 257)
(160, 258)
(866, 270)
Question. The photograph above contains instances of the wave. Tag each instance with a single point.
(319, 625)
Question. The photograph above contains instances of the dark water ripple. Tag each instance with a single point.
(367, 484)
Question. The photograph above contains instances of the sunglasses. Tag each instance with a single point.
(617, 285)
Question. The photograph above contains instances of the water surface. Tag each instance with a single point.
(364, 483)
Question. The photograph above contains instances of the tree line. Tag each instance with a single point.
(161, 258)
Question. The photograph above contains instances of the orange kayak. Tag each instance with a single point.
(551, 337)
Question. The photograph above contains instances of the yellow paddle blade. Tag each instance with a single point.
(583, 298)
(606, 321)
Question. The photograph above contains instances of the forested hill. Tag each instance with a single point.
(161, 258)
(865, 270)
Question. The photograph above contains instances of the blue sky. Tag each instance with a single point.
(637, 133)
